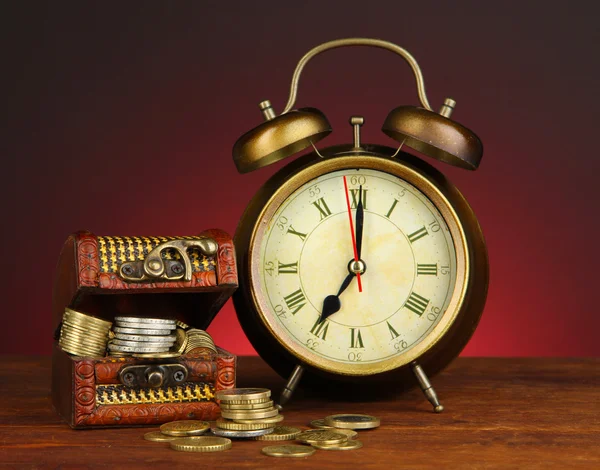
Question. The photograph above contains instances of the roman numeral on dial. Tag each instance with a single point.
(355, 193)
(416, 303)
(356, 338)
(389, 213)
(301, 235)
(427, 269)
(295, 301)
(291, 268)
(320, 329)
(413, 237)
(393, 332)
(324, 210)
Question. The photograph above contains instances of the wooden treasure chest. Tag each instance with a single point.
(183, 279)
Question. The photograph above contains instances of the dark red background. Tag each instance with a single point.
(102, 99)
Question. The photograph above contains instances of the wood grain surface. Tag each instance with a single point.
(500, 413)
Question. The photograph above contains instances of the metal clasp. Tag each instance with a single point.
(155, 267)
(153, 376)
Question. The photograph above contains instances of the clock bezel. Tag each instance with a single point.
(466, 234)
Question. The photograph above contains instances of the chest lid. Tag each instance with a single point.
(187, 278)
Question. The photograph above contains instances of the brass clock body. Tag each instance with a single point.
(400, 323)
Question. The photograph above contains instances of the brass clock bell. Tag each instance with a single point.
(359, 262)
(433, 134)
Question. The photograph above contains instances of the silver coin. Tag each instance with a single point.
(157, 326)
(156, 321)
(141, 331)
(147, 338)
(240, 434)
(140, 344)
(119, 348)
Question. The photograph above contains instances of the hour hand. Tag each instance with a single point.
(332, 303)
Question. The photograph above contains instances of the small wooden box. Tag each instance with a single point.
(87, 392)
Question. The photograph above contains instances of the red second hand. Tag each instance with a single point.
(352, 232)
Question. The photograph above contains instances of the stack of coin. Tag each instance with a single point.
(150, 337)
(187, 436)
(246, 412)
(83, 335)
(199, 339)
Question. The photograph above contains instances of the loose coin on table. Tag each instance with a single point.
(201, 444)
(243, 394)
(348, 445)
(288, 451)
(280, 433)
(240, 434)
(320, 424)
(352, 421)
(348, 432)
(157, 436)
(322, 437)
(185, 428)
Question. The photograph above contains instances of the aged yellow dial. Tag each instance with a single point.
(407, 267)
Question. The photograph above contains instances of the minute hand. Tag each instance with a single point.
(360, 218)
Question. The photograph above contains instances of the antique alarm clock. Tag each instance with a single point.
(359, 263)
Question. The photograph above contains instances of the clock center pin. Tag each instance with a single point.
(357, 266)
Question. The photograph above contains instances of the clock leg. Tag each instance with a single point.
(291, 385)
(427, 388)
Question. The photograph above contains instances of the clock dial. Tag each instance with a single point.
(409, 278)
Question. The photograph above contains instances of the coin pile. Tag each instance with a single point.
(83, 335)
(145, 337)
(246, 413)
(199, 339)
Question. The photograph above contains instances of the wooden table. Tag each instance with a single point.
(503, 413)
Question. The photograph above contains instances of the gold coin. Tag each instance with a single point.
(249, 414)
(84, 330)
(80, 349)
(85, 317)
(280, 433)
(243, 394)
(182, 325)
(248, 406)
(158, 355)
(348, 432)
(201, 444)
(246, 402)
(233, 426)
(348, 445)
(92, 325)
(288, 451)
(86, 323)
(322, 437)
(320, 424)
(185, 428)
(158, 436)
(181, 341)
(85, 339)
(352, 421)
(272, 420)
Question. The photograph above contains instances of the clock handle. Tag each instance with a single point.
(427, 388)
(358, 42)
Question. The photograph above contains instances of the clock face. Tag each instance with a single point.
(409, 285)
